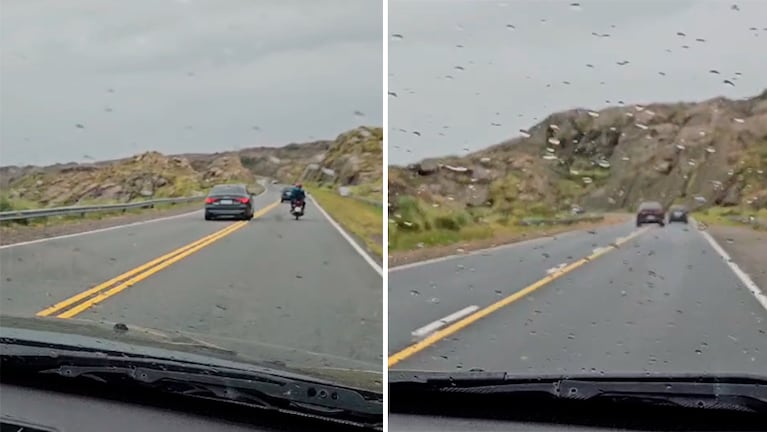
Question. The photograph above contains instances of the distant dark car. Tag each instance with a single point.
(230, 201)
(651, 212)
(677, 213)
(286, 194)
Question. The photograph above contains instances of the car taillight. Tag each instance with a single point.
(244, 200)
(209, 200)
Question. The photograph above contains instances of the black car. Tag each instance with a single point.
(286, 194)
(651, 212)
(677, 213)
(229, 200)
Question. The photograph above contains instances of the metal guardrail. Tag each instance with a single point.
(82, 210)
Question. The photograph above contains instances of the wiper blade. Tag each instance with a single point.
(271, 391)
(735, 393)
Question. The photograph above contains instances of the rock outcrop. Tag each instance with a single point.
(699, 154)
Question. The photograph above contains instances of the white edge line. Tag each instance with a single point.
(436, 325)
(348, 238)
(474, 252)
(747, 281)
(100, 230)
(485, 250)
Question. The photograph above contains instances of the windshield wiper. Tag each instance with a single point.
(286, 393)
(729, 393)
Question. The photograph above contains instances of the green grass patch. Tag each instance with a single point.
(730, 216)
(368, 191)
(416, 224)
(359, 218)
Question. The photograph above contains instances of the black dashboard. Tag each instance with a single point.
(416, 423)
(30, 409)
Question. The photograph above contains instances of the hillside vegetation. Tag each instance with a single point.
(707, 154)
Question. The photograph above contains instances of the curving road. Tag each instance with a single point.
(615, 300)
(272, 280)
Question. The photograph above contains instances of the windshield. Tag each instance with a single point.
(506, 115)
(119, 119)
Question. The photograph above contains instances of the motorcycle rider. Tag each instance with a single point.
(297, 194)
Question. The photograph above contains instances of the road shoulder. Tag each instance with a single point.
(400, 258)
(747, 247)
(14, 233)
(362, 221)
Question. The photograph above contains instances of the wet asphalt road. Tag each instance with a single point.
(664, 301)
(275, 281)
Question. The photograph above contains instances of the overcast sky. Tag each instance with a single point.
(516, 56)
(183, 75)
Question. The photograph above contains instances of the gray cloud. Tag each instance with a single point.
(183, 75)
(516, 57)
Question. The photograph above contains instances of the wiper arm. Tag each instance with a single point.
(713, 392)
(271, 391)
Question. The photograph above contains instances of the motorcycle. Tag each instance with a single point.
(296, 208)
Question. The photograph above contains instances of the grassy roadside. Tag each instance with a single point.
(731, 216)
(419, 232)
(414, 225)
(361, 219)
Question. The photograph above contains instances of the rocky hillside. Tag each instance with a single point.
(144, 176)
(354, 158)
(700, 154)
(156, 175)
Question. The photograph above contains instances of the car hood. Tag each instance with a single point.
(192, 347)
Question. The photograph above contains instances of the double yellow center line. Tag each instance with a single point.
(86, 299)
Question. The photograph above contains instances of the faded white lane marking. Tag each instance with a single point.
(436, 325)
(556, 269)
